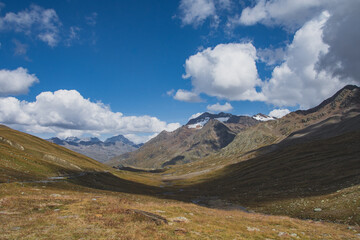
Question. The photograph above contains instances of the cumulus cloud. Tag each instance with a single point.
(342, 58)
(342, 36)
(227, 71)
(220, 108)
(195, 12)
(44, 23)
(15, 82)
(271, 56)
(288, 13)
(296, 80)
(279, 113)
(66, 112)
(187, 96)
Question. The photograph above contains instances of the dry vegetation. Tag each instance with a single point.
(68, 211)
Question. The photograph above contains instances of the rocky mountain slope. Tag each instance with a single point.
(314, 173)
(200, 137)
(190, 144)
(305, 165)
(97, 149)
(345, 102)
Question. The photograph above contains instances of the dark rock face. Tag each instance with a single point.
(244, 120)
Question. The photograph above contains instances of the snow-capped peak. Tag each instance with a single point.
(200, 120)
(195, 115)
(199, 124)
(263, 117)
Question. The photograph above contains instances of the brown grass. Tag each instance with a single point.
(67, 211)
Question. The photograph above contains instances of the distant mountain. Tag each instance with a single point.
(201, 136)
(229, 136)
(120, 138)
(97, 149)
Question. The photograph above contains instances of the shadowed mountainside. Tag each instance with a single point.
(201, 147)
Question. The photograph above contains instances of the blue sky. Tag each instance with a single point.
(139, 67)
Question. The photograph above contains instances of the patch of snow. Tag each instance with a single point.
(199, 124)
(195, 115)
(222, 119)
(263, 118)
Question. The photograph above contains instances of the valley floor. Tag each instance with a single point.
(70, 209)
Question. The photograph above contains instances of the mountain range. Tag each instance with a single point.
(95, 148)
(200, 137)
(304, 165)
(227, 136)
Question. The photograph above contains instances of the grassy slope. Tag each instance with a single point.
(25, 157)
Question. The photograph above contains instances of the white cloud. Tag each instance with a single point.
(195, 115)
(73, 35)
(227, 71)
(342, 58)
(220, 108)
(20, 48)
(170, 92)
(140, 138)
(279, 113)
(288, 13)
(67, 133)
(224, 4)
(187, 96)
(271, 56)
(15, 82)
(66, 112)
(44, 23)
(91, 19)
(296, 80)
(342, 35)
(195, 12)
